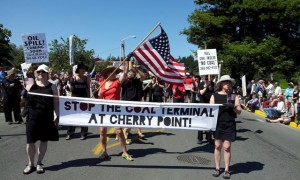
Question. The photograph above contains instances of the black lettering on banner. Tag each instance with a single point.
(135, 120)
(93, 118)
(67, 105)
(113, 121)
(149, 110)
(149, 119)
(174, 121)
(142, 120)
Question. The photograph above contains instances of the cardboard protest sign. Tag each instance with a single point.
(208, 62)
(109, 113)
(35, 48)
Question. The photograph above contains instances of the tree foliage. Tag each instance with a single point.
(17, 54)
(5, 49)
(59, 54)
(252, 37)
(190, 64)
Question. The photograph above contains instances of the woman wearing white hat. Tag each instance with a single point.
(226, 127)
(40, 125)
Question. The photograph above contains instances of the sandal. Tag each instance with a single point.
(216, 173)
(82, 138)
(104, 156)
(226, 175)
(141, 136)
(127, 157)
(28, 169)
(68, 137)
(40, 169)
(128, 142)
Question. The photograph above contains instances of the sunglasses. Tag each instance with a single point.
(41, 72)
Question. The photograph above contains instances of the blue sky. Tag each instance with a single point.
(103, 22)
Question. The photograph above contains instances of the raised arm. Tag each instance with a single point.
(124, 74)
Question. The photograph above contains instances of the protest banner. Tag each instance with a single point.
(208, 62)
(25, 67)
(109, 113)
(35, 48)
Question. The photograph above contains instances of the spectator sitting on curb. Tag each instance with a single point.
(275, 112)
(253, 103)
(287, 116)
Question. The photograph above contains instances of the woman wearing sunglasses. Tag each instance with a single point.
(40, 125)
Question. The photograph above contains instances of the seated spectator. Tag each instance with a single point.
(275, 111)
(270, 102)
(253, 103)
(273, 102)
(287, 116)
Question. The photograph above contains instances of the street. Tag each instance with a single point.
(261, 151)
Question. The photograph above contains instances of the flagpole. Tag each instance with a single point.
(158, 24)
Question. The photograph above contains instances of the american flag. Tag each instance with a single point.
(155, 55)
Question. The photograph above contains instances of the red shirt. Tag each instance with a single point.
(113, 92)
(178, 94)
(188, 81)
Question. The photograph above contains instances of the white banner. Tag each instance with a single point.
(35, 48)
(71, 49)
(25, 67)
(208, 62)
(109, 113)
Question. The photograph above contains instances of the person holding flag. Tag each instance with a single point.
(110, 89)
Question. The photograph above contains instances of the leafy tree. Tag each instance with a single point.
(5, 49)
(190, 64)
(59, 54)
(17, 54)
(252, 37)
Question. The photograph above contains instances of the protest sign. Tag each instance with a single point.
(25, 67)
(71, 49)
(35, 48)
(109, 113)
(207, 61)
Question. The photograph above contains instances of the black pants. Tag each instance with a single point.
(83, 132)
(8, 107)
(178, 100)
(158, 99)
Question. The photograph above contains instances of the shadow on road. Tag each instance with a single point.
(158, 167)
(137, 153)
(243, 130)
(246, 167)
(206, 148)
(4, 135)
(74, 163)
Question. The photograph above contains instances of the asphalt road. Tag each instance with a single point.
(261, 151)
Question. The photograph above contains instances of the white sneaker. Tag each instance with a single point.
(40, 169)
(117, 138)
